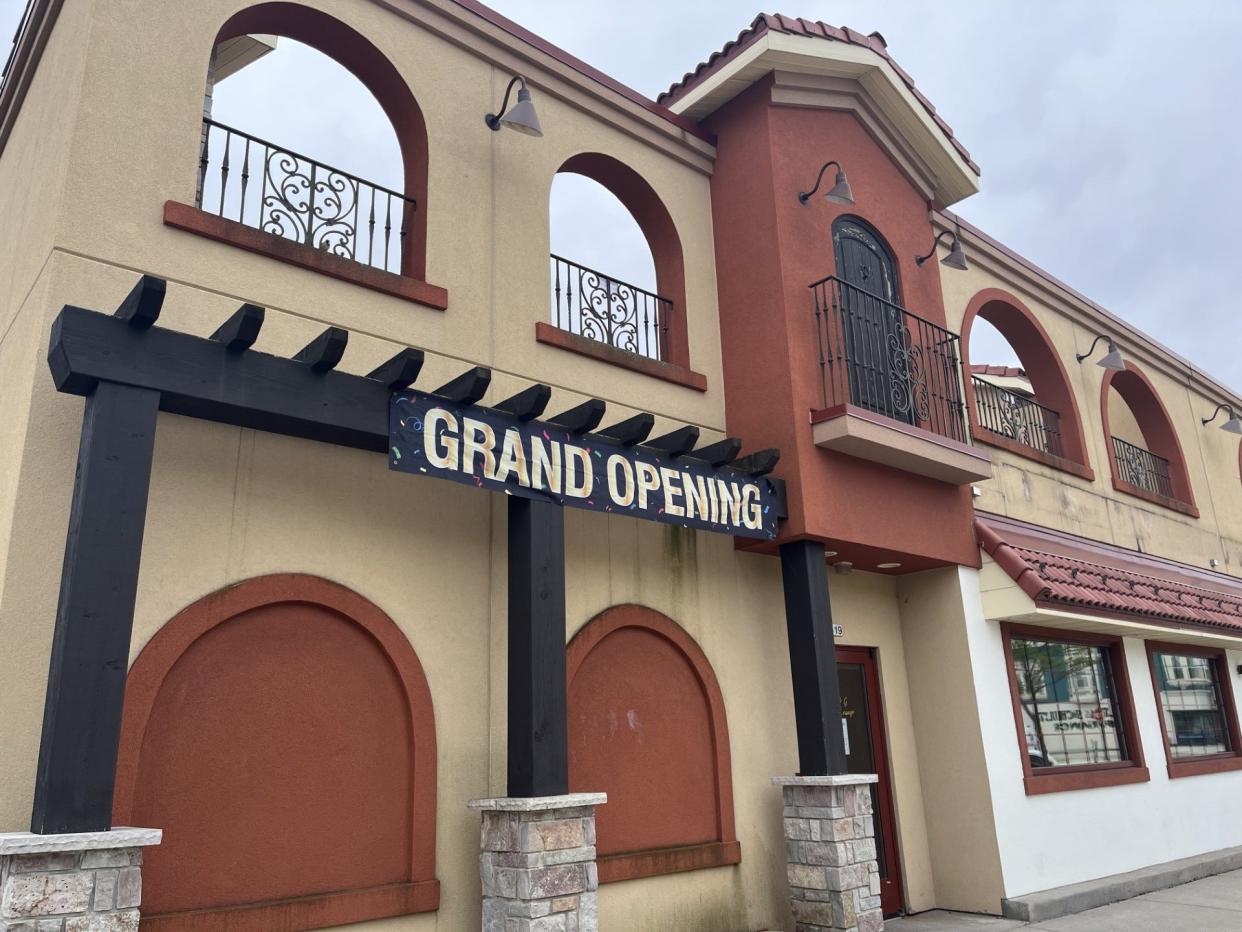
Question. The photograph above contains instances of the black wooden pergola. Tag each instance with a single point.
(129, 370)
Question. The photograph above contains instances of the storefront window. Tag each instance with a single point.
(1196, 709)
(1067, 697)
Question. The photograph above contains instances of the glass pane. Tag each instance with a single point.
(1065, 691)
(859, 754)
(1190, 701)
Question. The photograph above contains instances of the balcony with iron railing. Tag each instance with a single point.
(599, 307)
(891, 386)
(1017, 417)
(1142, 469)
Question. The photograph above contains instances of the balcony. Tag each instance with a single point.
(891, 386)
(601, 308)
(1142, 469)
(1017, 417)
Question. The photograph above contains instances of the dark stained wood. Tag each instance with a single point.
(630, 432)
(581, 418)
(241, 329)
(812, 659)
(720, 453)
(759, 463)
(325, 351)
(676, 442)
(538, 762)
(400, 372)
(467, 388)
(95, 613)
(527, 404)
(141, 307)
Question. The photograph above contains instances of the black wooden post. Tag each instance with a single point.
(538, 719)
(812, 659)
(95, 615)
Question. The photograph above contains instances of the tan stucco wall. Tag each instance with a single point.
(1043, 495)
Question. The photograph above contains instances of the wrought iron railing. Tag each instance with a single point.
(247, 179)
(599, 307)
(877, 355)
(1142, 468)
(1023, 419)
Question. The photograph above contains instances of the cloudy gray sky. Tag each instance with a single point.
(1108, 131)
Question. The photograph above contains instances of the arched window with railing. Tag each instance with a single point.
(1018, 392)
(312, 146)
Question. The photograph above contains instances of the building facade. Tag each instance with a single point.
(1007, 599)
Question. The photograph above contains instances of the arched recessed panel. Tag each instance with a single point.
(1054, 428)
(281, 734)
(647, 727)
(1156, 469)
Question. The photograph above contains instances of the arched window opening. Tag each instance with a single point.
(617, 274)
(281, 733)
(647, 726)
(1019, 392)
(312, 137)
(1143, 448)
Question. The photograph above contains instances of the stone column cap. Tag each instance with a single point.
(119, 837)
(836, 779)
(539, 803)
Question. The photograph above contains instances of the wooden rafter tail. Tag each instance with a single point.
(400, 372)
(633, 430)
(527, 404)
(582, 418)
(721, 453)
(759, 463)
(676, 442)
(239, 332)
(141, 307)
(467, 388)
(325, 351)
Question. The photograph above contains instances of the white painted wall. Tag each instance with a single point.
(1061, 838)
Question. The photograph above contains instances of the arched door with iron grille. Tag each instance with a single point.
(872, 320)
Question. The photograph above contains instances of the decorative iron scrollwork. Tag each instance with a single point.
(601, 308)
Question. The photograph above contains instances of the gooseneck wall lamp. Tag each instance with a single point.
(956, 259)
(1233, 425)
(521, 117)
(839, 193)
(1112, 359)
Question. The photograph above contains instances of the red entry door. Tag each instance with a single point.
(867, 752)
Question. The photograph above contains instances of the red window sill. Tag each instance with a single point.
(1193, 767)
(1173, 504)
(631, 866)
(320, 911)
(1030, 453)
(193, 220)
(1084, 779)
(669, 372)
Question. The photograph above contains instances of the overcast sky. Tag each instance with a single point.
(1108, 131)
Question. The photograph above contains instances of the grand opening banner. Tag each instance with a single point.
(491, 450)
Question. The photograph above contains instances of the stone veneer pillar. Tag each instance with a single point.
(537, 863)
(834, 878)
(81, 882)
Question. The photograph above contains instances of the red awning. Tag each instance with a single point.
(1061, 571)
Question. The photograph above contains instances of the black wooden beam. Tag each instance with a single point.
(325, 351)
(241, 329)
(720, 453)
(467, 388)
(633, 430)
(812, 659)
(527, 404)
(759, 463)
(141, 307)
(538, 757)
(400, 372)
(95, 614)
(582, 418)
(676, 442)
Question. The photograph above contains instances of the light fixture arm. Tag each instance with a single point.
(919, 260)
(1094, 343)
(1223, 406)
(804, 196)
(493, 119)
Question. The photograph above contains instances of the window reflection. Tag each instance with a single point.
(1190, 701)
(1068, 703)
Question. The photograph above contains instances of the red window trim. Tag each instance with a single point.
(1086, 776)
(1213, 763)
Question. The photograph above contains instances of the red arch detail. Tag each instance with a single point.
(1043, 367)
(1153, 420)
(653, 218)
(283, 707)
(357, 55)
(664, 764)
